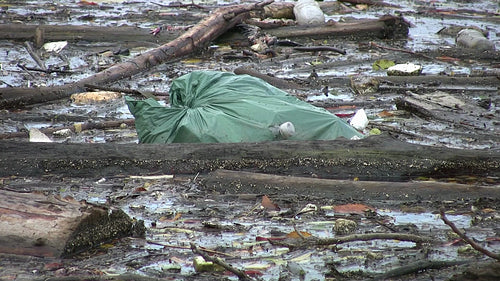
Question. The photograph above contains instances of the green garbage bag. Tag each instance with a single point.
(212, 106)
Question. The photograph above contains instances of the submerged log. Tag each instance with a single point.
(379, 158)
(234, 182)
(50, 226)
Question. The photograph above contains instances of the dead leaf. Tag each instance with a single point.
(352, 209)
(294, 234)
(448, 59)
(385, 114)
(268, 204)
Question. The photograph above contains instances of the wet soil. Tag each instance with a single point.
(231, 219)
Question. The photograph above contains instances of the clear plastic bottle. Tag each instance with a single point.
(308, 12)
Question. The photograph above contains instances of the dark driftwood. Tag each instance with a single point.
(50, 226)
(384, 27)
(71, 33)
(378, 158)
(225, 181)
(193, 40)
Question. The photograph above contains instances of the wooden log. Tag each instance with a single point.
(194, 39)
(379, 158)
(73, 33)
(50, 226)
(234, 182)
(385, 27)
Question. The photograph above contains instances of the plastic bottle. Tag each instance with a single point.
(308, 12)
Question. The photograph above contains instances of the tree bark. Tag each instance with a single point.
(50, 226)
(194, 39)
(379, 158)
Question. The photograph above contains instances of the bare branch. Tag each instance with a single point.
(464, 237)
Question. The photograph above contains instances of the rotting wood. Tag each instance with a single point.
(50, 226)
(234, 182)
(379, 158)
(444, 107)
(193, 40)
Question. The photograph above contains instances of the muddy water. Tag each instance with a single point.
(85, 58)
(231, 224)
(178, 212)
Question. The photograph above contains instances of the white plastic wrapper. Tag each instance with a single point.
(308, 12)
(55, 46)
(359, 121)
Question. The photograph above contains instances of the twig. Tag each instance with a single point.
(320, 48)
(48, 71)
(464, 237)
(187, 248)
(26, 70)
(241, 275)
(123, 90)
(35, 56)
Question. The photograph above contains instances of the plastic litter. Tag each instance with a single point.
(404, 69)
(471, 38)
(359, 120)
(308, 12)
(212, 106)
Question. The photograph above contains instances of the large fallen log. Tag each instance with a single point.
(72, 33)
(379, 158)
(49, 226)
(235, 182)
(194, 39)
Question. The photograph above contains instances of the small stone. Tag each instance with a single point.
(344, 226)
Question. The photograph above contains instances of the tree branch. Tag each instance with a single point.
(464, 237)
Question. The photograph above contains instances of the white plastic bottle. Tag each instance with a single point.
(308, 12)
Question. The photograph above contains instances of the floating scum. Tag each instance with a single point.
(212, 106)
